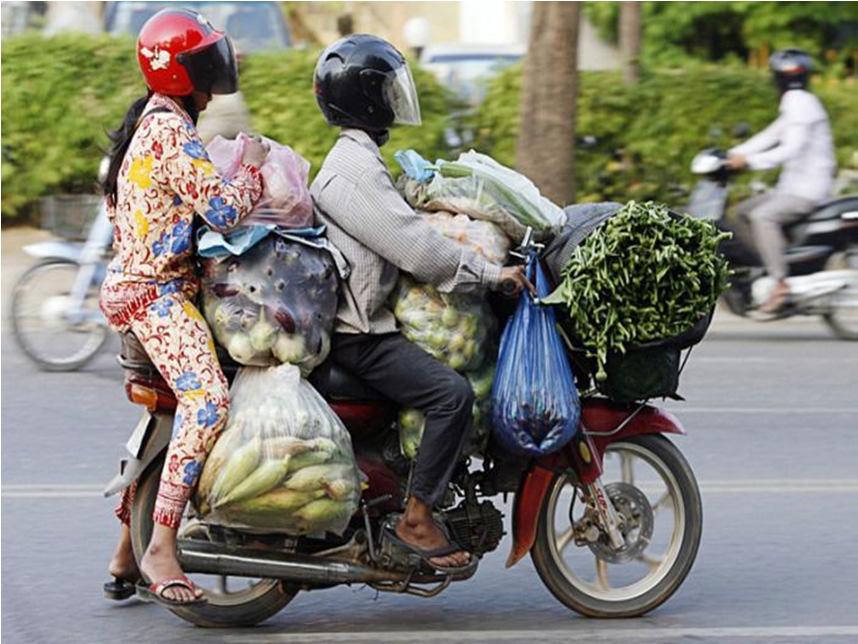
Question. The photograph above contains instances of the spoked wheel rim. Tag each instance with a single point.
(653, 555)
(45, 331)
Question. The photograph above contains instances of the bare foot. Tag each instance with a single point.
(123, 565)
(418, 528)
(159, 564)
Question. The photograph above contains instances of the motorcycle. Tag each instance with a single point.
(612, 522)
(822, 253)
(55, 316)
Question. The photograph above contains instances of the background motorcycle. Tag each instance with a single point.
(612, 522)
(822, 252)
(55, 316)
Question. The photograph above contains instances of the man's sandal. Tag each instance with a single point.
(155, 592)
(426, 555)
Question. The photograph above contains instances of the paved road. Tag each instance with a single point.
(771, 415)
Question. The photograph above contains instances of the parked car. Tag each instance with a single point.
(466, 69)
(253, 26)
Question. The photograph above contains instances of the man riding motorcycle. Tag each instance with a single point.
(800, 141)
(363, 85)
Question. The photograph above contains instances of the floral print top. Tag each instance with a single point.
(166, 179)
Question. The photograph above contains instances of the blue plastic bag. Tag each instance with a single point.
(535, 406)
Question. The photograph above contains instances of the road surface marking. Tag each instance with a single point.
(726, 486)
(641, 634)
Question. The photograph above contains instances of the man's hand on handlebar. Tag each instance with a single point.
(513, 280)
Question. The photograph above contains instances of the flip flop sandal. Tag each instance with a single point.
(155, 592)
(120, 589)
(426, 555)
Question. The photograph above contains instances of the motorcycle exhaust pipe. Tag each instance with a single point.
(220, 559)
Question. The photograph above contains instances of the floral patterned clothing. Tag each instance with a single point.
(165, 180)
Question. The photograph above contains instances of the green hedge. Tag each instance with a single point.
(658, 125)
(62, 95)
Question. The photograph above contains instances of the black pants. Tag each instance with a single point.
(412, 378)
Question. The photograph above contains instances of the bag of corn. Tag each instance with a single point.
(284, 463)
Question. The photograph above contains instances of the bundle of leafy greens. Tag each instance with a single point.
(645, 274)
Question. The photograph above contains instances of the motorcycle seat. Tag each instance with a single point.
(335, 383)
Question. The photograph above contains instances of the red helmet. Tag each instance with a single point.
(179, 51)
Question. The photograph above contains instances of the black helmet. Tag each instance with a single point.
(791, 69)
(362, 81)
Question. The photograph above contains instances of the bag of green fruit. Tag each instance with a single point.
(284, 463)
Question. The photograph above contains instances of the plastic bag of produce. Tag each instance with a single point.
(452, 327)
(286, 198)
(480, 187)
(274, 304)
(284, 463)
(483, 237)
(412, 422)
(535, 407)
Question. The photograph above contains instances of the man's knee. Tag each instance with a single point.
(764, 213)
(460, 392)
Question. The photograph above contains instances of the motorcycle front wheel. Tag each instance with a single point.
(656, 496)
(231, 601)
(44, 325)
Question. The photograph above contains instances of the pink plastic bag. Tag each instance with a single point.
(285, 198)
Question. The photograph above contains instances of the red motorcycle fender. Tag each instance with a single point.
(603, 423)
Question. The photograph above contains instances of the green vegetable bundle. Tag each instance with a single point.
(643, 275)
(412, 422)
(284, 462)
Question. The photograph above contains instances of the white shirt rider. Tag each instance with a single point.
(800, 141)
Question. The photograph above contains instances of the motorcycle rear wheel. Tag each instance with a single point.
(599, 598)
(224, 609)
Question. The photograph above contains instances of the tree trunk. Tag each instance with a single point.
(630, 40)
(546, 141)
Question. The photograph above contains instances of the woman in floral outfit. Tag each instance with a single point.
(160, 178)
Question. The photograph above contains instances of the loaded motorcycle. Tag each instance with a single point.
(822, 253)
(612, 521)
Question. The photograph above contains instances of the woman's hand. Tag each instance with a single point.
(513, 280)
(255, 152)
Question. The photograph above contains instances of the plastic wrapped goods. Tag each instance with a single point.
(535, 407)
(286, 198)
(483, 237)
(274, 304)
(412, 422)
(480, 187)
(453, 328)
(284, 463)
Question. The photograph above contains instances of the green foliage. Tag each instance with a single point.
(714, 30)
(62, 95)
(657, 125)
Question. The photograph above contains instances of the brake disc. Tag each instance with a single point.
(635, 524)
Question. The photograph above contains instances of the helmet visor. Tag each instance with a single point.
(401, 95)
(214, 69)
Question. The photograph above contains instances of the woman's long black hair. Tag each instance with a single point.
(121, 137)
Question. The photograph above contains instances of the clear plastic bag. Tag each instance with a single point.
(274, 304)
(453, 327)
(286, 197)
(480, 187)
(284, 463)
(483, 237)
(412, 422)
(535, 406)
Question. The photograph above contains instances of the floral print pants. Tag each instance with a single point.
(180, 344)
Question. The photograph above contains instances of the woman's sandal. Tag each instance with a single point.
(426, 555)
(120, 589)
(155, 592)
